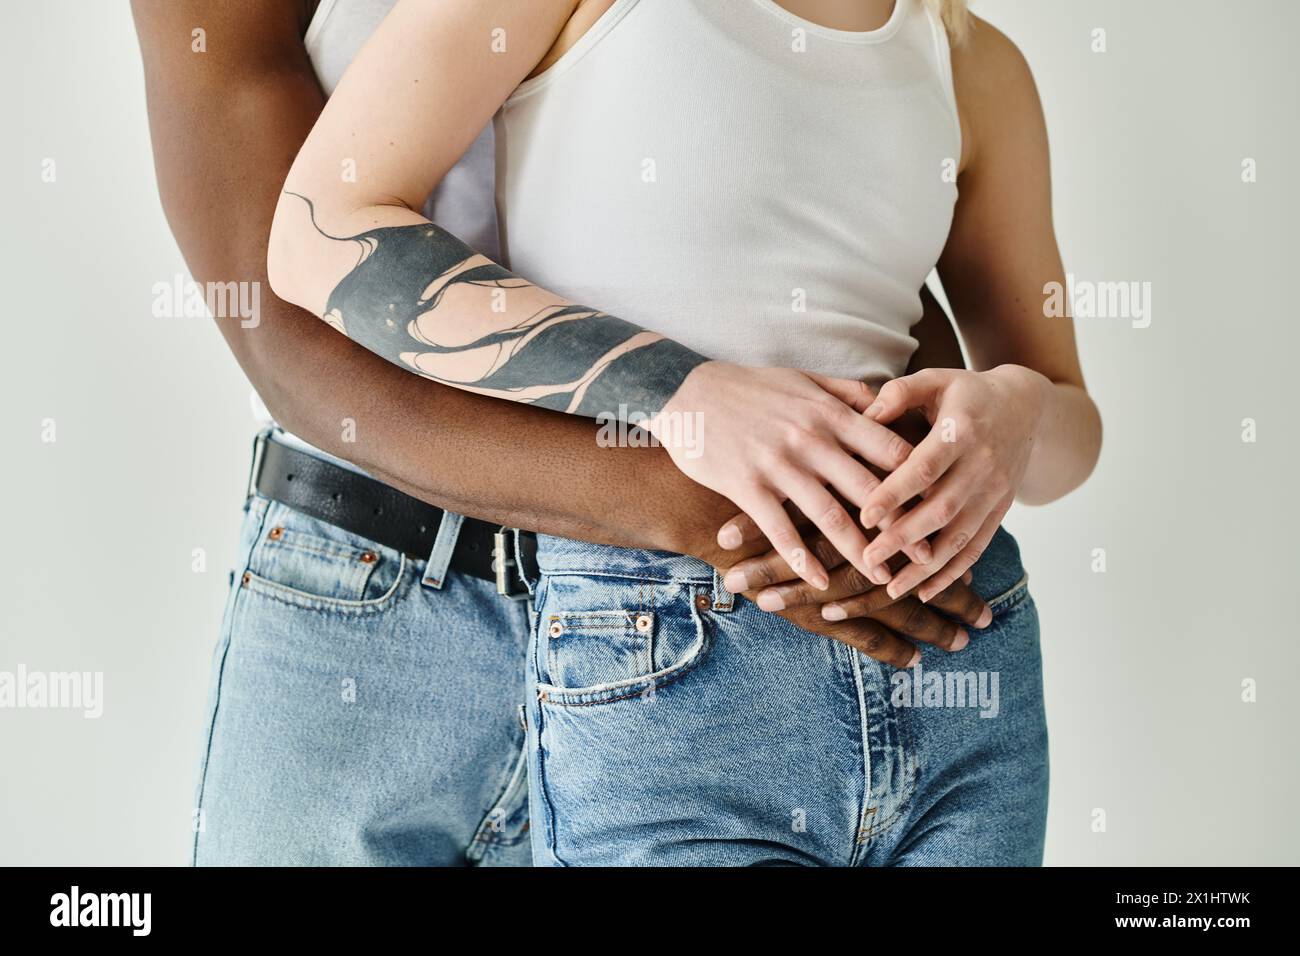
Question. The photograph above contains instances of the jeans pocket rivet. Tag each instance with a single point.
(643, 622)
(556, 629)
(369, 557)
(702, 602)
(276, 534)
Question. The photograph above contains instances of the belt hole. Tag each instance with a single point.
(288, 477)
(337, 496)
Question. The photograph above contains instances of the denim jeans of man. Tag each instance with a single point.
(672, 724)
(365, 707)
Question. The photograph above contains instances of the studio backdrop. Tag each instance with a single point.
(1167, 583)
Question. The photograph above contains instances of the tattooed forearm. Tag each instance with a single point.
(422, 299)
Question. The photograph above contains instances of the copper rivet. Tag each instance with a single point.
(247, 577)
(702, 602)
(369, 557)
(556, 629)
(643, 622)
(276, 534)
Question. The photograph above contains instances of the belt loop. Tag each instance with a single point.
(723, 600)
(435, 572)
(522, 569)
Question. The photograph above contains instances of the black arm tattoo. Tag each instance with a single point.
(422, 299)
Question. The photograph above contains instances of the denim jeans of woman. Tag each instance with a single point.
(672, 724)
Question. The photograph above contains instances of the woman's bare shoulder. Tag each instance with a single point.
(994, 85)
(987, 55)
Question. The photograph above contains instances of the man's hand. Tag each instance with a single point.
(852, 610)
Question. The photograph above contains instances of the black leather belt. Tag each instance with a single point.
(380, 513)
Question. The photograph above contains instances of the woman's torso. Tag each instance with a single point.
(762, 189)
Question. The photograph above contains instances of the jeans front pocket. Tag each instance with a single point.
(598, 647)
(602, 638)
(310, 564)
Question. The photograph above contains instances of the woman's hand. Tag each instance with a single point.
(967, 471)
(762, 437)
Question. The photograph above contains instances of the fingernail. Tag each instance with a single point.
(729, 537)
(960, 642)
(916, 658)
(833, 612)
(874, 409)
(770, 600)
(923, 552)
(872, 516)
(985, 618)
(821, 582)
(894, 591)
(736, 582)
(879, 574)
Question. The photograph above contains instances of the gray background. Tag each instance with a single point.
(1144, 662)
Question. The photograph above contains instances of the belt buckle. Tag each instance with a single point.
(503, 564)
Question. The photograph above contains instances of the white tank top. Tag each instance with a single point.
(760, 188)
(463, 203)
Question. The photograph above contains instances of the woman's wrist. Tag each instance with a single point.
(679, 420)
(1031, 392)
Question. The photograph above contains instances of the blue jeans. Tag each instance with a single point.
(672, 724)
(365, 708)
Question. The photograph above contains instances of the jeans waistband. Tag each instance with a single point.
(998, 573)
(564, 555)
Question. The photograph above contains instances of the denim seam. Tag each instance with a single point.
(1011, 596)
(236, 608)
(629, 577)
(870, 833)
(878, 829)
(313, 602)
(865, 739)
(552, 840)
(484, 839)
(906, 790)
(317, 547)
(609, 626)
(612, 615)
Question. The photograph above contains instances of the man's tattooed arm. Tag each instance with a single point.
(422, 299)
